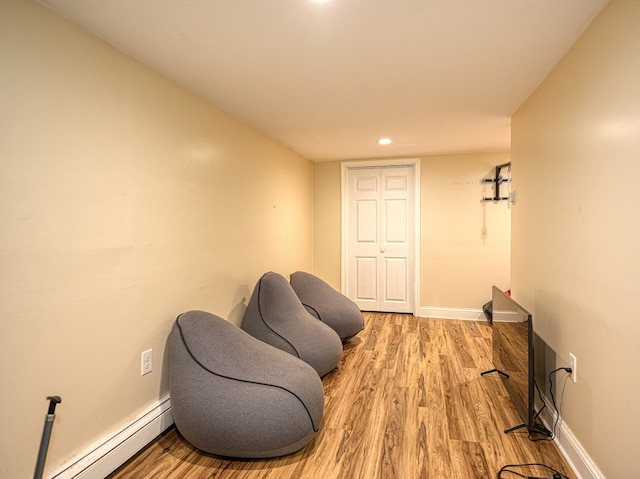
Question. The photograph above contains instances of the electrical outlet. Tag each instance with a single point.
(573, 364)
(146, 362)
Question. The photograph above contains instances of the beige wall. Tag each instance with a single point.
(576, 230)
(326, 221)
(465, 241)
(465, 244)
(125, 200)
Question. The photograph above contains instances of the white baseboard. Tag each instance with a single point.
(106, 455)
(450, 313)
(577, 457)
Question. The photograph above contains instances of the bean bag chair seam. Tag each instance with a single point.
(314, 309)
(244, 380)
(267, 324)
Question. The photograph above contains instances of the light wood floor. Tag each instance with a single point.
(406, 401)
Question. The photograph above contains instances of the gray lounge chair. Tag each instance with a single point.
(276, 316)
(233, 395)
(328, 305)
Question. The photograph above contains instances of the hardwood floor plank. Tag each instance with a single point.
(438, 443)
(406, 401)
(393, 460)
(460, 343)
(469, 460)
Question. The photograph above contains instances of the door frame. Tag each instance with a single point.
(345, 166)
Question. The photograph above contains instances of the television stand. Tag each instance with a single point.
(495, 370)
(539, 428)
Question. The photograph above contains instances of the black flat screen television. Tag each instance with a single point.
(514, 357)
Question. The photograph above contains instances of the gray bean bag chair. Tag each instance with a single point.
(328, 305)
(276, 316)
(233, 395)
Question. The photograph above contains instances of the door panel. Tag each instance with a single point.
(367, 227)
(366, 276)
(395, 182)
(396, 221)
(395, 280)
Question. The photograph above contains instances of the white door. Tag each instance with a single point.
(379, 238)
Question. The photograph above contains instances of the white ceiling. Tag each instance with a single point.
(329, 79)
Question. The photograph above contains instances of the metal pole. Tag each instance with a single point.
(46, 435)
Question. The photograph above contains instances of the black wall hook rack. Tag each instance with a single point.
(498, 180)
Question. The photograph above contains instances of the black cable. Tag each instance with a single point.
(509, 468)
(553, 402)
(556, 474)
(553, 398)
(544, 404)
(504, 469)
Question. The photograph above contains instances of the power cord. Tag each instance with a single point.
(509, 468)
(553, 399)
(553, 402)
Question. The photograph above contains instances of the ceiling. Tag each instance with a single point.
(329, 79)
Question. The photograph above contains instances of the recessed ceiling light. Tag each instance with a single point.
(384, 141)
